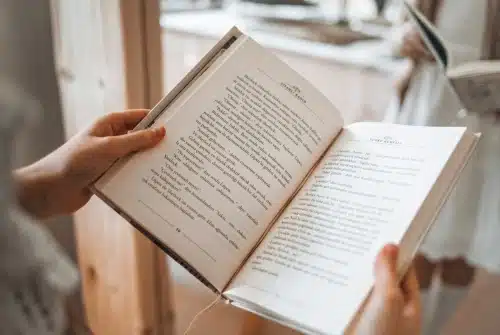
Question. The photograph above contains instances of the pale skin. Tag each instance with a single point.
(413, 47)
(394, 306)
(60, 184)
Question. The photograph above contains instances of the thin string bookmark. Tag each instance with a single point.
(203, 311)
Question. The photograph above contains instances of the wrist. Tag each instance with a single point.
(37, 188)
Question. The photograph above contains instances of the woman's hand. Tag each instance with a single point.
(406, 42)
(393, 307)
(412, 45)
(59, 183)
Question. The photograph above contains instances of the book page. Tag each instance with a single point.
(315, 265)
(237, 147)
(478, 93)
(476, 68)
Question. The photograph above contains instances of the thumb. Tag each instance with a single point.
(386, 277)
(136, 141)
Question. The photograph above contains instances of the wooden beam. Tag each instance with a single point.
(143, 56)
(252, 325)
(107, 57)
(142, 52)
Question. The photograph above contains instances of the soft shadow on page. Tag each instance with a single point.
(235, 151)
(315, 266)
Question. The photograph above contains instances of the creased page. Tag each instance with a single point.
(315, 266)
(236, 148)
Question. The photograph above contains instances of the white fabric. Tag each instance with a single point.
(469, 224)
(447, 300)
(427, 297)
(35, 276)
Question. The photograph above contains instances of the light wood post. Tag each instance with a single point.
(108, 58)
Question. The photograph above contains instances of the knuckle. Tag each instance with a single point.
(108, 143)
(393, 297)
(105, 119)
(113, 115)
(151, 136)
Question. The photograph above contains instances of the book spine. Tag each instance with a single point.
(190, 78)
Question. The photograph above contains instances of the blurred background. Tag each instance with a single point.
(81, 59)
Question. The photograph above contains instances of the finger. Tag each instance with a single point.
(129, 118)
(408, 50)
(415, 53)
(405, 50)
(117, 123)
(412, 315)
(411, 53)
(413, 306)
(136, 141)
(410, 286)
(429, 57)
(416, 42)
(386, 278)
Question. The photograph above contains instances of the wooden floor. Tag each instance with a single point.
(190, 297)
(479, 314)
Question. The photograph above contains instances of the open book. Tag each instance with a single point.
(477, 83)
(265, 195)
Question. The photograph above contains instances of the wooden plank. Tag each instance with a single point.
(102, 58)
(132, 12)
(253, 324)
(143, 55)
(154, 51)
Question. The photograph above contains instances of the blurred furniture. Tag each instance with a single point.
(108, 58)
(357, 77)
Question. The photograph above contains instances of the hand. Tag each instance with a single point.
(59, 183)
(402, 84)
(413, 47)
(393, 307)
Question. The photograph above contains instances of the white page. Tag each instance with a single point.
(478, 93)
(315, 266)
(218, 186)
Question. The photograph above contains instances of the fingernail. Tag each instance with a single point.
(390, 249)
(159, 132)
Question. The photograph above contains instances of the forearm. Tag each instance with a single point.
(37, 186)
(60, 182)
